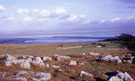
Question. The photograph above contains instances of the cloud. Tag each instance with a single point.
(35, 10)
(10, 18)
(45, 13)
(20, 11)
(2, 8)
(115, 19)
(27, 19)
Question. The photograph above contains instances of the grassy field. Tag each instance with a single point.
(69, 73)
(62, 49)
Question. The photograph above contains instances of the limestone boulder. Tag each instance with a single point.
(73, 63)
(8, 57)
(119, 76)
(83, 73)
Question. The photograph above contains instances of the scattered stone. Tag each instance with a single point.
(46, 58)
(25, 64)
(98, 46)
(3, 74)
(119, 76)
(83, 73)
(18, 78)
(96, 54)
(81, 63)
(128, 58)
(22, 73)
(21, 56)
(82, 53)
(8, 57)
(109, 58)
(42, 76)
(58, 57)
(37, 61)
(116, 59)
(73, 63)
(55, 66)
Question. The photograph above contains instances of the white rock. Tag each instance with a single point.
(127, 77)
(11, 62)
(107, 58)
(119, 76)
(46, 58)
(42, 76)
(37, 61)
(22, 73)
(116, 59)
(55, 66)
(82, 53)
(81, 63)
(20, 79)
(83, 73)
(47, 65)
(58, 57)
(73, 63)
(25, 64)
(3, 74)
(8, 57)
(96, 54)
(21, 56)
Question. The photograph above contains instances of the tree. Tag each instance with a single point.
(127, 41)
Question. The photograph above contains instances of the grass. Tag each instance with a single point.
(69, 73)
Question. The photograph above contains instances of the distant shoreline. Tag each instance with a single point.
(51, 40)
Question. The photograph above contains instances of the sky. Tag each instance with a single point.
(43, 15)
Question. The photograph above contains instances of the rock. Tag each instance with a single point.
(55, 66)
(127, 77)
(83, 73)
(96, 54)
(81, 63)
(116, 59)
(58, 57)
(46, 58)
(20, 79)
(8, 57)
(3, 74)
(109, 58)
(25, 64)
(10, 63)
(37, 61)
(82, 53)
(42, 76)
(22, 73)
(133, 61)
(129, 59)
(118, 76)
(21, 56)
(73, 63)
(98, 46)
(47, 65)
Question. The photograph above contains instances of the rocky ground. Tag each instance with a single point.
(67, 68)
(69, 62)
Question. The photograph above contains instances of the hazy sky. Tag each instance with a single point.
(33, 15)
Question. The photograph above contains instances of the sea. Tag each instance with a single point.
(58, 38)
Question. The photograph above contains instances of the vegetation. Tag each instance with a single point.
(127, 41)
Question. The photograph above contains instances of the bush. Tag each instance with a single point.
(127, 41)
